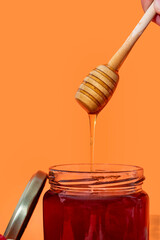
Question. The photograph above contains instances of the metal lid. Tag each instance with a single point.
(25, 206)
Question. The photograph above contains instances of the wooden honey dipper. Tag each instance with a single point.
(98, 87)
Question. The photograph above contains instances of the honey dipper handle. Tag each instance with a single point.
(117, 60)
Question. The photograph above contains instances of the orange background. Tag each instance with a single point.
(46, 50)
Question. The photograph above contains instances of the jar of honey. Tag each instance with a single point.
(102, 202)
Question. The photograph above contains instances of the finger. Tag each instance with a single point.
(146, 4)
(157, 6)
(157, 19)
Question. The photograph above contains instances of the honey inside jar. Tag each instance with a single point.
(105, 204)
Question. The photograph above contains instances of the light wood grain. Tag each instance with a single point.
(117, 60)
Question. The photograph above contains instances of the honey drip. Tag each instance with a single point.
(92, 123)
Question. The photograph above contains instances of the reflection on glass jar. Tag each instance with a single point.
(105, 204)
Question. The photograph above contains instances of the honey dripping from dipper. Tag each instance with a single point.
(92, 125)
(98, 87)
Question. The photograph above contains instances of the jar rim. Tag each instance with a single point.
(107, 177)
(87, 168)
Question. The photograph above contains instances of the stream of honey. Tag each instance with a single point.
(92, 123)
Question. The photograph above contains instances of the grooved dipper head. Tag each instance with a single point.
(97, 88)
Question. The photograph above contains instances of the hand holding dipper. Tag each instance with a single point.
(146, 4)
(98, 87)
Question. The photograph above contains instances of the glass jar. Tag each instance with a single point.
(105, 202)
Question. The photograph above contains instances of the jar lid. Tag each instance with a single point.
(25, 206)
